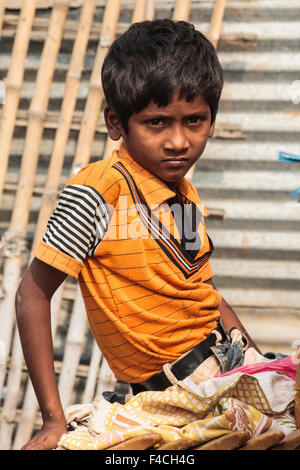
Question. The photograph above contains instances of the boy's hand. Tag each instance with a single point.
(34, 322)
(48, 437)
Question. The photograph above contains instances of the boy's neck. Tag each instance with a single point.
(171, 185)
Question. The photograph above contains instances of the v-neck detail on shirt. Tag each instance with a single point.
(168, 243)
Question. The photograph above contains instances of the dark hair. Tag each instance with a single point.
(152, 60)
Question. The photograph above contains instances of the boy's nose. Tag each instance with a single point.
(176, 140)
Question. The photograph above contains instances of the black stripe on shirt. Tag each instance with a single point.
(79, 222)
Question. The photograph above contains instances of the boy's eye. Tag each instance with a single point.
(155, 122)
(195, 119)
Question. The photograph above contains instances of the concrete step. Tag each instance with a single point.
(264, 30)
(248, 150)
(237, 297)
(254, 211)
(257, 61)
(258, 91)
(248, 180)
(287, 120)
(274, 329)
(255, 240)
(257, 269)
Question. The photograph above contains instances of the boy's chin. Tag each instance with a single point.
(172, 180)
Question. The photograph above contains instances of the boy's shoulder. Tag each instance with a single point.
(99, 175)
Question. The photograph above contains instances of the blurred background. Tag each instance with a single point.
(51, 124)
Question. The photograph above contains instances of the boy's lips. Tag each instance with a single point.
(175, 162)
(174, 158)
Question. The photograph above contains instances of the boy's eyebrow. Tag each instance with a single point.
(160, 113)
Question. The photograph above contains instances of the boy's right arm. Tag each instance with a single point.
(34, 323)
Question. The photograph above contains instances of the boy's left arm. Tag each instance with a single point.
(230, 319)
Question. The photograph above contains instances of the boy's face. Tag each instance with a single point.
(166, 140)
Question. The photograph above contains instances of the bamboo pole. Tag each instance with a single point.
(38, 106)
(69, 102)
(12, 395)
(13, 389)
(182, 10)
(297, 384)
(95, 95)
(30, 406)
(213, 36)
(216, 22)
(13, 83)
(49, 198)
(73, 348)
(2, 11)
(106, 380)
(150, 10)
(90, 386)
(139, 14)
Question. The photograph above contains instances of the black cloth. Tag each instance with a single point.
(187, 218)
(183, 367)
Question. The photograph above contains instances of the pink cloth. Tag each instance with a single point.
(286, 365)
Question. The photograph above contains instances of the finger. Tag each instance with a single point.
(38, 446)
(33, 443)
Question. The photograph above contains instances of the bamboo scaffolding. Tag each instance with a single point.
(17, 229)
(65, 119)
(95, 95)
(13, 83)
(76, 335)
(68, 373)
(49, 198)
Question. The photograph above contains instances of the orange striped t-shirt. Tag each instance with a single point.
(144, 290)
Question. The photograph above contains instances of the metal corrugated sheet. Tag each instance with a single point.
(257, 246)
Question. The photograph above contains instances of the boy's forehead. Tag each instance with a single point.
(198, 103)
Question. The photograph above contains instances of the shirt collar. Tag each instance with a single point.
(154, 190)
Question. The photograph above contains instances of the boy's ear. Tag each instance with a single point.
(112, 122)
(212, 129)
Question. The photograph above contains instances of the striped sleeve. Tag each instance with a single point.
(78, 223)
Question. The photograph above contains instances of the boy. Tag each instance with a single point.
(147, 283)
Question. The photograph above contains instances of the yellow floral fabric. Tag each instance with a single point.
(239, 402)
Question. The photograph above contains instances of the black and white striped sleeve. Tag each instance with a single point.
(79, 222)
